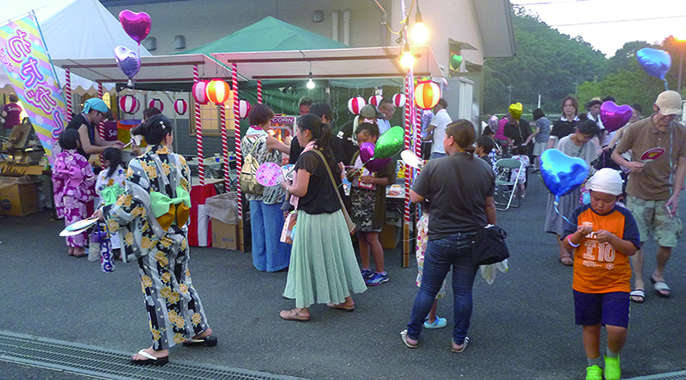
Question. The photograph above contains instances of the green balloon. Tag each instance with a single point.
(455, 61)
(390, 143)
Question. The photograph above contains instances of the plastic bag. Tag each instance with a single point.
(223, 207)
(488, 272)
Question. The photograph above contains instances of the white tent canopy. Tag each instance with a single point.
(73, 29)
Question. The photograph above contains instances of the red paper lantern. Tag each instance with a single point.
(180, 106)
(157, 104)
(375, 100)
(355, 104)
(399, 100)
(427, 95)
(129, 104)
(200, 92)
(218, 91)
(243, 109)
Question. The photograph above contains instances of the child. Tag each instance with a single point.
(484, 147)
(73, 181)
(520, 155)
(368, 198)
(110, 184)
(606, 236)
(432, 320)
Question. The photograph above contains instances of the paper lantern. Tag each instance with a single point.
(355, 104)
(375, 100)
(427, 95)
(243, 109)
(157, 104)
(129, 104)
(218, 91)
(180, 106)
(199, 92)
(399, 100)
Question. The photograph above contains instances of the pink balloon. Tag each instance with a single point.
(366, 151)
(614, 116)
(136, 25)
(377, 164)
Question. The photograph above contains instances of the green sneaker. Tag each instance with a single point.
(612, 370)
(594, 373)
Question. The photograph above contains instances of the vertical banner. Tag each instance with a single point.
(25, 59)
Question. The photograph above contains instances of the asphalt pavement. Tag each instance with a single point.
(522, 325)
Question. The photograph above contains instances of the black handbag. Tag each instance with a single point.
(488, 246)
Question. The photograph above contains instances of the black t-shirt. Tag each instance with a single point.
(348, 146)
(321, 195)
(563, 128)
(76, 123)
(518, 134)
(457, 187)
(335, 144)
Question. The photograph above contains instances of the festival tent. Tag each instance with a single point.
(73, 29)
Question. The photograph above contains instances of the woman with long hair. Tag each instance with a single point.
(323, 267)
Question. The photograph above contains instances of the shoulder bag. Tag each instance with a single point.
(247, 178)
(349, 222)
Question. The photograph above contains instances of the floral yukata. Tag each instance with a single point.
(109, 189)
(74, 185)
(174, 308)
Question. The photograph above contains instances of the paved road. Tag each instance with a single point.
(522, 327)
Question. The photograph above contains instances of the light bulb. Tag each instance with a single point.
(420, 34)
(310, 84)
(407, 59)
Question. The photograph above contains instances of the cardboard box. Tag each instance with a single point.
(18, 199)
(224, 235)
(389, 236)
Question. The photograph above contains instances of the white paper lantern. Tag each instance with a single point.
(375, 100)
(243, 109)
(355, 104)
(180, 107)
(157, 104)
(129, 104)
(399, 100)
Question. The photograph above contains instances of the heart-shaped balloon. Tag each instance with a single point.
(136, 25)
(614, 116)
(516, 110)
(654, 62)
(561, 173)
(366, 152)
(128, 61)
(389, 143)
(377, 164)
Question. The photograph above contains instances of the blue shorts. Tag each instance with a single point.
(606, 308)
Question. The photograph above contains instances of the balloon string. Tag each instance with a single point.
(666, 85)
(558, 212)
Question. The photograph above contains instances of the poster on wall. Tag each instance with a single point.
(25, 59)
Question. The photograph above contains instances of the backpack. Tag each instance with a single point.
(247, 178)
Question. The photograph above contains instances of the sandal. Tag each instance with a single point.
(461, 349)
(637, 296)
(403, 336)
(567, 260)
(293, 315)
(208, 341)
(661, 288)
(149, 359)
(341, 306)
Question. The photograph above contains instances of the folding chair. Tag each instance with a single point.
(507, 187)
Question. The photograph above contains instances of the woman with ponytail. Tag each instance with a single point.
(323, 267)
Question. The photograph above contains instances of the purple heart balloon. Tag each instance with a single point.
(366, 152)
(136, 25)
(128, 61)
(614, 116)
(377, 164)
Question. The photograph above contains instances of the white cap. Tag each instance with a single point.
(607, 181)
(669, 103)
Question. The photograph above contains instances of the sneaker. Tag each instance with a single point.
(594, 373)
(377, 279)
(367, 274)
(439, 323)
(612, 370)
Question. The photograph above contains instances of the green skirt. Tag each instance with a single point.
(323, 267)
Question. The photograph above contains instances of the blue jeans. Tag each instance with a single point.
(435, 155)
(455, 250)
(268, 252)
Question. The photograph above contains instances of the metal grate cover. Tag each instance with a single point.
(109, 364)
(681, 375)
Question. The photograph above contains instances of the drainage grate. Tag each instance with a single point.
(665, 376)
(110, 364)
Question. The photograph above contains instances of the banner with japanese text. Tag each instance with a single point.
(25, 59)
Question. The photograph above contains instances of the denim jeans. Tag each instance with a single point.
(455, 250)
(435, 155)
(268, 252)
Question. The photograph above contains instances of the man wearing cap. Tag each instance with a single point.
(94, 111)
(436, 130)
(368, 114)
(655, 182)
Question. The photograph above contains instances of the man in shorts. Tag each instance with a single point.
(655, 182)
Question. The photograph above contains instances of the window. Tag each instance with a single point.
(210, 115)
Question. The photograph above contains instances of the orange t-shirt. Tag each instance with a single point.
(599, 267)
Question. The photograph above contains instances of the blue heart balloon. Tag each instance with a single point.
(128, 61)
(561, 173)
(654, 62)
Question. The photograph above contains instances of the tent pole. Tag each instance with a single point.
(198, 132)
(237, 155)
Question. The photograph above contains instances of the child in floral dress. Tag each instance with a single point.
(73, 182)
(111, 184)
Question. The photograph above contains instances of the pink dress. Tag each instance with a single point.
(74, 185)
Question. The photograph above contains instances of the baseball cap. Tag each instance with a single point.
(669, 103)
(607, 181)
(369, 111)
(593, 102)
(95, 104)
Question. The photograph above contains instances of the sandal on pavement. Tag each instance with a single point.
(403, 335)
(208, 341)
(461, 349)
(661, 288)
(293, 315)
(566, 260)
(149, 359)
(637, 296)
(439, 323)
(341, 306)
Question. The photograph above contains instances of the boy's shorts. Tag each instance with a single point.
(651, 216)
(606, 308)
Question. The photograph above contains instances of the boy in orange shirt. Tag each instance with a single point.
(606, 236)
